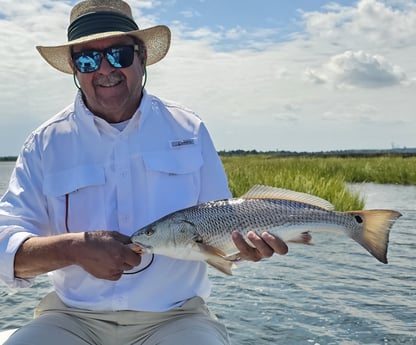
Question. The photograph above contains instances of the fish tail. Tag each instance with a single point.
(376, 230)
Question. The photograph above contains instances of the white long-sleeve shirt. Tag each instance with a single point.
(78, 173)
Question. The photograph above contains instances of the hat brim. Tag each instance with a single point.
(156, 40)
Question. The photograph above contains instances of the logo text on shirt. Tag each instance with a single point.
(183, 142)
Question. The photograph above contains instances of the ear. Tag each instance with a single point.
(70, 63)
(144, 58)
(69, 60)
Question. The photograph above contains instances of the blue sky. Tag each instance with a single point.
(281, 18)
(309, 75)
(231, 13)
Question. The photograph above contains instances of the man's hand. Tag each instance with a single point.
(265, 246)
(107, 254)
(104, 254)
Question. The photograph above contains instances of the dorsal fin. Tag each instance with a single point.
(267, 192)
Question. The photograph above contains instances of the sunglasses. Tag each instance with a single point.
(88, 61)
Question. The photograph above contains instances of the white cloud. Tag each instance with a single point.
(368, 25)
(190, 14)
(359, 69)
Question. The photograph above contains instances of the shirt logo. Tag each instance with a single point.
(183, 142)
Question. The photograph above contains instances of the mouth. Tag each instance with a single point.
(109, 84)
(109, 81)
(140, 248)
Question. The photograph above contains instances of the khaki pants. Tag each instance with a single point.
(57, 324)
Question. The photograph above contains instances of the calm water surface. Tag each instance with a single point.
(330, 293)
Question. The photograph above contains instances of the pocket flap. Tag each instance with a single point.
(181, 161)
(66, 181)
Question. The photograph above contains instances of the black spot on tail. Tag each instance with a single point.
(359, 219)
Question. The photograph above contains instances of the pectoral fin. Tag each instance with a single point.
(215, 258)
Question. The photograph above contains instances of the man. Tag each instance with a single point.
(113, 161)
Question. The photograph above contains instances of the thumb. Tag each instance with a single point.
(135, 248)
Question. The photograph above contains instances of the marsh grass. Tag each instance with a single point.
(324, 177)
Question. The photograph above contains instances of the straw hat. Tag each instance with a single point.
(96, 19)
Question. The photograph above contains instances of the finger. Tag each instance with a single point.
(135, 248)
(114, 275)
(127, 267)
(274, 242)
(246, 252)
(121, 237)
(265, 251)
(131, 257)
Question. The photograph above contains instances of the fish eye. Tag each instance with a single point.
(149, 232)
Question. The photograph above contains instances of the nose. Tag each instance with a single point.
(105, 66)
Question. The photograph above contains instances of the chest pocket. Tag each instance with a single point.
(77, 198)
(173, 177)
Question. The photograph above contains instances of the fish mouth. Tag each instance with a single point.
(141, 248)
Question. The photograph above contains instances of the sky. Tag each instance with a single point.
(296, 75)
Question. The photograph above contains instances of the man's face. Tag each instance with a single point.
(111, 93)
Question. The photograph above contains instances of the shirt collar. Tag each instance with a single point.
(103, 127)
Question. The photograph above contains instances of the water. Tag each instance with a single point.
(330, 293)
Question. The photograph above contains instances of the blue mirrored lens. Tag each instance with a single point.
(120, 57)
(89, 60)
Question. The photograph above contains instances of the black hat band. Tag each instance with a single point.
(97, 22)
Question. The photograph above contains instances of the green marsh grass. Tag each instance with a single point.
(324, 177)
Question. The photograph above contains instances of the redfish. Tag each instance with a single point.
(203, 232)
